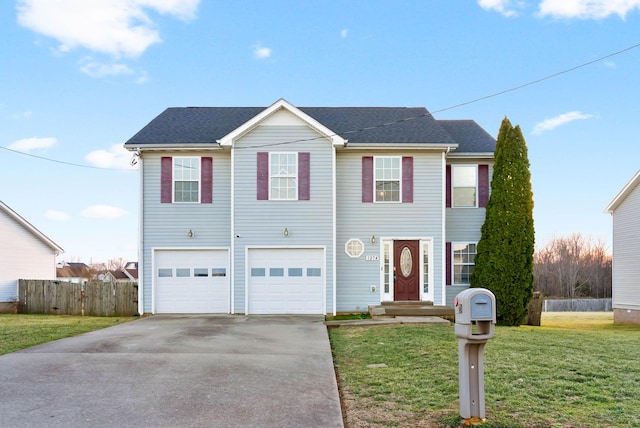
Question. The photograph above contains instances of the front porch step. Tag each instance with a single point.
(410, 309)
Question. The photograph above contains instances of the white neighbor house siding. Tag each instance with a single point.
(260, 223)
(626, 253)
(355, 219)
(22, 256)
(464, 225)
(166, 225)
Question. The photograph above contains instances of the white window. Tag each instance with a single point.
(387, 173)
(186, 179)
(283, 176)
(464, 255)
(354, 248)
(465, 185)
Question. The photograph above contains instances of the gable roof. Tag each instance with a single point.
(622, 195)
(206, 126)
(73, 271)
(30, 228)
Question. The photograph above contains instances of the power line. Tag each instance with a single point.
(395, 122)
(64, 162)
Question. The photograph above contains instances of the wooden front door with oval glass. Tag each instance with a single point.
(406, 270)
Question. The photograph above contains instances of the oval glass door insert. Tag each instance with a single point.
(406, 262)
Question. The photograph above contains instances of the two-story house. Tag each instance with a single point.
(307, 210)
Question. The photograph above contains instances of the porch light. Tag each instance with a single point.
(190, 234)
(373, 239)
(285, 233)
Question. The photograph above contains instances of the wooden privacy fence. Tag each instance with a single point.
(99, 299)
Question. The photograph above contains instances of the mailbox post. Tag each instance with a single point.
(475, 312)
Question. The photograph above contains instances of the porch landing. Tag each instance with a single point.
(410, 309)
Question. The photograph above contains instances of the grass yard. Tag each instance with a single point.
(576, 370)
(22, 331)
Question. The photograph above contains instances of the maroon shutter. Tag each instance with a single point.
(206, 180)
(448, 263)
(407, 179)
(263, 176)
(483, 185)
(448, 186)
(166, 182)
(367, 179)
(304, 173)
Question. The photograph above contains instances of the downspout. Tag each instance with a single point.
(335, 239)
(443, 243)
(232, 256)
(141, 249)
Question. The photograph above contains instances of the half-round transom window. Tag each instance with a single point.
(406, 262)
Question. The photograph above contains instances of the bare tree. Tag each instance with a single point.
(573, 266)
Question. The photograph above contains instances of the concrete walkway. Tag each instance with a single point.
(177, 371)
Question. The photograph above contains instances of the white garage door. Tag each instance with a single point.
(192, 281)
(286, 281)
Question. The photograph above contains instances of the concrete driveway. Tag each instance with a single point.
(177, 371)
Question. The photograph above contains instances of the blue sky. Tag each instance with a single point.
(78, 78)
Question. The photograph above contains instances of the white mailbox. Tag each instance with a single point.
(475, 312)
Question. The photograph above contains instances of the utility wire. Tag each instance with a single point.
(382, 125)
(63, 162)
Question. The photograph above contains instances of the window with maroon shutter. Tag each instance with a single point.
(166, 180)
(186, 179)
(448, 186)
(367, 179)
(206, 180)
(407, 179)
(448, 263)
(283, 176)
(483, 185)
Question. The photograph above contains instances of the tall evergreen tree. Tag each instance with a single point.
(504, 258)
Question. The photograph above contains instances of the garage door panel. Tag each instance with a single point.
(286, 281)
(192, 281)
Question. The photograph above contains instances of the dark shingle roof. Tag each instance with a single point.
(471, 138)
(359, 125)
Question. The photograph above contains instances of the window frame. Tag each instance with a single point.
(454, 187)
(454, 263)
(197, 160)
(295, 176)
(347, 245)
(376, 180)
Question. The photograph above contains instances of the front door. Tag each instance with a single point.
(406, 270)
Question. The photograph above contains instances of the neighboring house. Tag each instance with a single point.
(307, 210)
(129, 273)
(75, 272)
(625, 212)
(25, 253)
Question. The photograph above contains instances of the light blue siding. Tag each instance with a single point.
(355, 219)
(262, 222)
(626, 253)
(167, 225)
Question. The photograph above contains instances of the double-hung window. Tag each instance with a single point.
(283, 176)
(388, 174)
(465, 185)
(463, 262)
(186, 179)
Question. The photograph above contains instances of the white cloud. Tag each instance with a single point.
(115, 27)
(587, 9)
(27, 144)
(344, 33)
(563, 119)
(261, 52)
(97, 69)
(56, 215)
(103, 211)
(505, 7)
(115, 157)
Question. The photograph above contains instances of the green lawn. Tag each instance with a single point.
(22, 331)
(577, 370)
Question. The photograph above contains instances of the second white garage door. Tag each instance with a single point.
(286, 281)
(192, 281)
